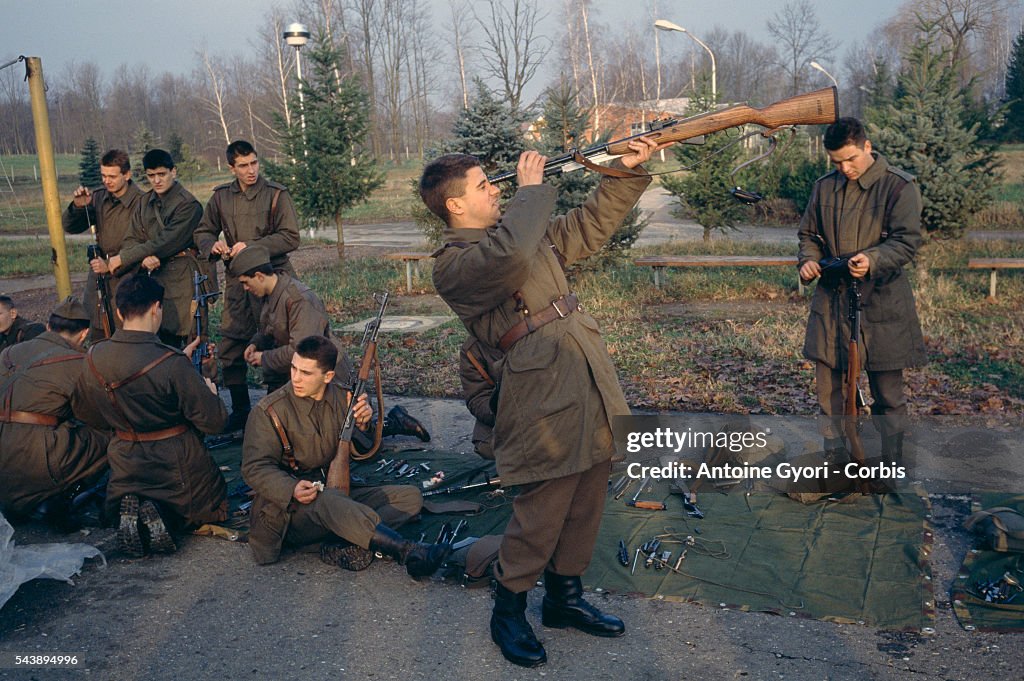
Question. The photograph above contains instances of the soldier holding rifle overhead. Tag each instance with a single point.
(557, 387)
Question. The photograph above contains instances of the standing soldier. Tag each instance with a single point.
(15, 329)
(158, 407)
(250, 210)
(46, 452)
(160, 240)
(110, 210)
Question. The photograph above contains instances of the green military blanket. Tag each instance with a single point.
(972, 611)
(865, 561)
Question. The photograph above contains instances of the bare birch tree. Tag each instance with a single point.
(217, 91)
(513, 47)
(802, 39)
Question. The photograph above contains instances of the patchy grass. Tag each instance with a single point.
(28, 257)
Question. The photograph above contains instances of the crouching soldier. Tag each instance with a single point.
(290, 439)
(47, 454)
(161, 476)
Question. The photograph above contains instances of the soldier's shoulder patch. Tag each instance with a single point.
(276, 185)
(832, 174)
(221, 187)
(902, 174)
(271, 399)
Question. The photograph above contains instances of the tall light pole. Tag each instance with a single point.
(819, 67)
(297, 35)
(665, 25)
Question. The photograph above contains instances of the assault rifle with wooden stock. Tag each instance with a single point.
(812, 108)
(338, 473)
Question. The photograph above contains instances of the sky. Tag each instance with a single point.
(165, 35)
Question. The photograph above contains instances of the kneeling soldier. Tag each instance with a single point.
(290, 439)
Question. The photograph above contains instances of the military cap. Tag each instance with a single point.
(249, 258)
(72, 308)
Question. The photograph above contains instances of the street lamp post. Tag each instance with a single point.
(666, 25)
(819, 67)
(297, 35)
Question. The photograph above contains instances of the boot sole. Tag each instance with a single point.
(129, 540)
(522, 662)
(160, 540)
(347, 557)
(558, 622)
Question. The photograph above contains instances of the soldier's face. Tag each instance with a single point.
(851, 160)
(479, 205)
(308, 379)
(246, 169)
(7, 317)
(114, 180)
(161, 178)
(255, 284)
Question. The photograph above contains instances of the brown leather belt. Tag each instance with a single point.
(560, 308)
(28, 418)
(151, 436)
(188, 251)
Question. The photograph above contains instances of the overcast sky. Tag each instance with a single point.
(164, 35)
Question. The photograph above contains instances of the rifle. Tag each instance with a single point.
(853, 397)
(338, 473)
(488, 482)
(200, 309)
(103, 310)
(811, 108)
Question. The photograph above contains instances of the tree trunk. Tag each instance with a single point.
(341, 236)
(707, 233)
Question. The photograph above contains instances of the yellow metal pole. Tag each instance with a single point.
(48, 173)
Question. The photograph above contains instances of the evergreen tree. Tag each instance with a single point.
(331, 171)
(89, 165)
(925, 134)
(1013, 128)
(704, 191)
(143, 141)
(187, 164)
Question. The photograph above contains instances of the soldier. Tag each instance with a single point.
(502, 276)
(160, 241)
(15, 329)
(290, 439)
(158, 407)
(110, 211)
(290, 312)
(47, 453)
(250, 210)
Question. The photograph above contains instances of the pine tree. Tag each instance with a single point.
(1013, 128)
(187, 164)
(331, 170)
(143, 141)
(704, 191)
(925, 134)
(89, 165)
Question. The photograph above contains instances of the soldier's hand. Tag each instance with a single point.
(530, 169)
(211, 385)
(114, 263)
(191, 347)
(236, 249)
(99, 266)
(642, 148)
(256, 359)
(363, 413)
(859, 265)
(305, 492)
(249, 353)
(810, 271)
(220, 248)
(151, 262)
(82, 197)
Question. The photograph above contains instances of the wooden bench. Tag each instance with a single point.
(994, 265)
(660, 262)
(408, 257)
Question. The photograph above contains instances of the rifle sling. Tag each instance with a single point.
(603, 170)
(286, 444)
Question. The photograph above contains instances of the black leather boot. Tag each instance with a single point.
(564, 607)
(400, 422)
(420, 560)
(511, 632)
(240, 407)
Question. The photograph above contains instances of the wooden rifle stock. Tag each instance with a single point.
(811, 108)
(852, 404)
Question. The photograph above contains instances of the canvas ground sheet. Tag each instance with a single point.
(973, 613)
(861, 562)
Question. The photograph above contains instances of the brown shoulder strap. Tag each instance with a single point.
(273, 209)
(109, 388)
(480, 368)
(55, 360)
(289, 456)
(604, 170)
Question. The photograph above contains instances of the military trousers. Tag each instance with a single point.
(887, 397)
(239, 319)
(354, 518)
(553, 527)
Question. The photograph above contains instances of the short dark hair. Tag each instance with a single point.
(265, 269)
(7, 302)
(136, 294)
(60, 324)
(157, 158)
(843, 132)
(444, 178)
(319, 348)
(239, 148)
(116, 157)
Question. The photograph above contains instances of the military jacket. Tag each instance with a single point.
(844, 218)
(478, 391)
(21, 330)
(546, 377)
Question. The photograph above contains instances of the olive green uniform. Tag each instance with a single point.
(163, 226)
(176, 471)
(290, 313)
(21, 330)
(262, 214)
(558, 387)
(39, 461)
(312, 428)
(478, 390)
(112, 217)
(844, 218)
